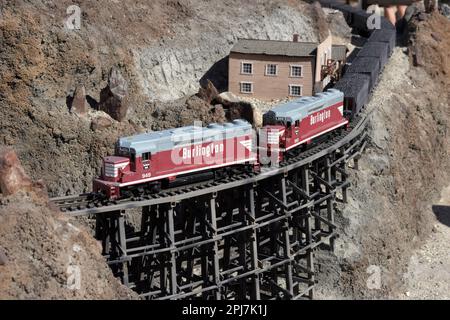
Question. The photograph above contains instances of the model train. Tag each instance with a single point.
(159, 159)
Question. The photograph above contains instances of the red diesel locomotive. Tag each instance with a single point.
(299, 121)
(155, 159)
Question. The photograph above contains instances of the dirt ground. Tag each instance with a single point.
(49, 256)
(428, 274)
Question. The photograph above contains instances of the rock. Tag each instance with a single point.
(407, 293)
(422, 16)
(320, 20)
(431, 5)
(241, 110)
(100, 123)
(229, 96)
(117, 83)
(113, 97)
(79, 103)
(218, 112)
(3, 257)
(445, 10)
(12, 175)
(436, 37)
(209, 93)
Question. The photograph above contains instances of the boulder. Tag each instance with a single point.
(12, 175)
(240, 110)
(229, 96)
(218, 113)
(431, 5)
(113, 97)
(445, 9)
(79, 103)
(99, 123)
(208, 93)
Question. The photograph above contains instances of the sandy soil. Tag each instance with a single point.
(428, 275)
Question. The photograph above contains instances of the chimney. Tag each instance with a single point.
(295, 39)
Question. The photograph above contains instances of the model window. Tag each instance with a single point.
(296, 71)
(247, 68)
(271, 70)
(246, 87)
(146, 156)
(295, 91)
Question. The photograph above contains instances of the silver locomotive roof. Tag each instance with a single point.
(157, 141)
(300, 108)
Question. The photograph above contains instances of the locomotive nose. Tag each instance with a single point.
(112, 165)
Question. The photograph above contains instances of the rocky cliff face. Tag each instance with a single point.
(43, 254)
(172, 67)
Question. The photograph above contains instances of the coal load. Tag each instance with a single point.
(356, 91)
(366, 65)
(378, 50)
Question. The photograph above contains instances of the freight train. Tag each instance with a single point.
(152, 161)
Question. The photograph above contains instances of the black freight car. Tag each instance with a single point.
(366, 65)
(355, 87)
(378, 50)
(384, 35)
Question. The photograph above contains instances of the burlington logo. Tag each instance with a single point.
(320, 117)
(205, 151)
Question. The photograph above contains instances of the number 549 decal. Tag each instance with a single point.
(146, 175)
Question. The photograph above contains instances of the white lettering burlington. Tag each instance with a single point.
(206, 151)
(320, 117)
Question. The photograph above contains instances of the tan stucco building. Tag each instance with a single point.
(268, 69)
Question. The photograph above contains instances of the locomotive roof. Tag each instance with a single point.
(300, 108)
(167, 139)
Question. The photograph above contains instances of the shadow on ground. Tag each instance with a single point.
(442, 214)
